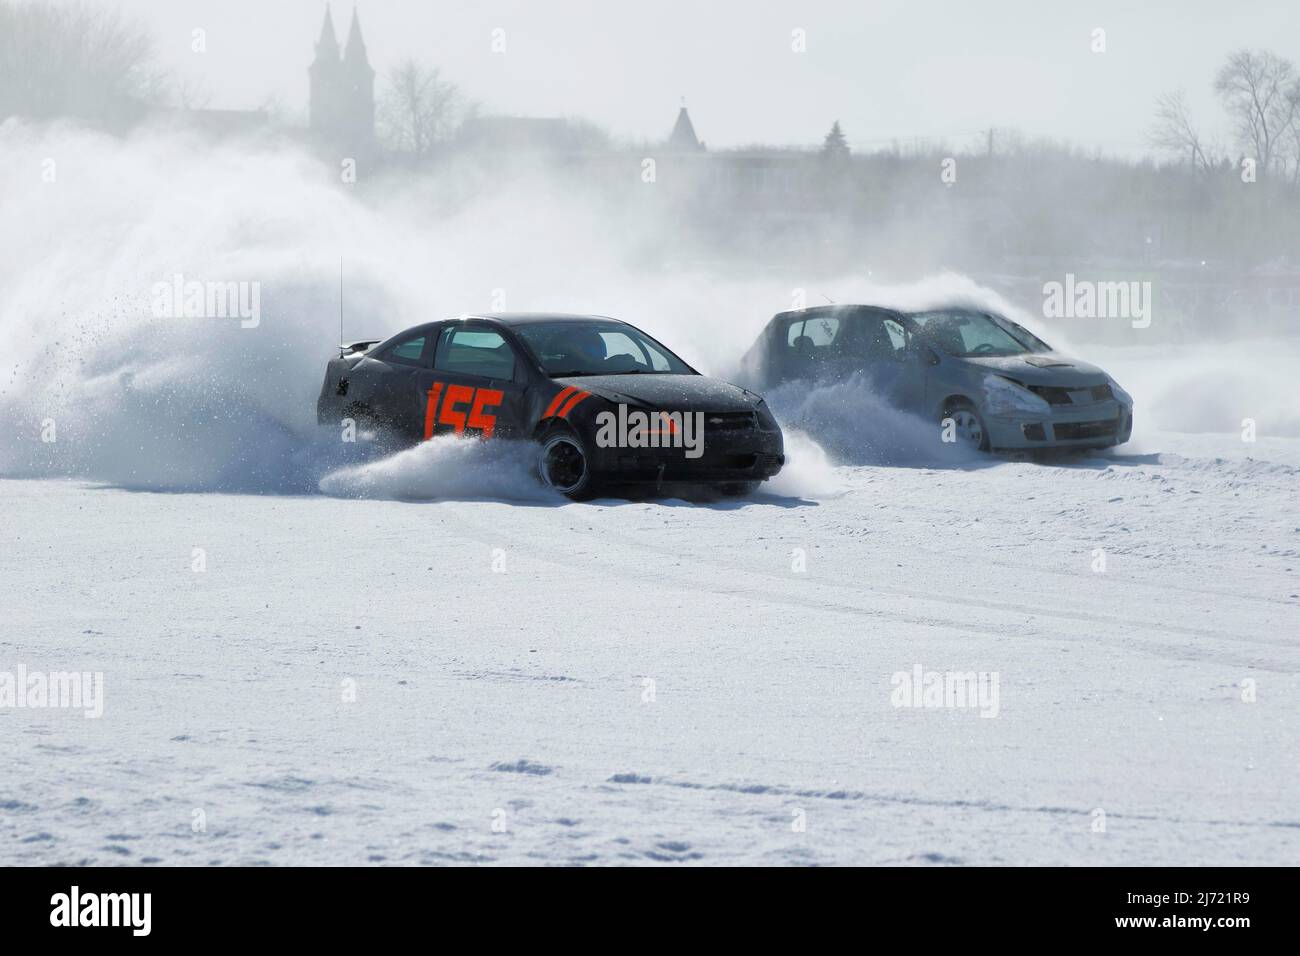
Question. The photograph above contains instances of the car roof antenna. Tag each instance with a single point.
(826, 297)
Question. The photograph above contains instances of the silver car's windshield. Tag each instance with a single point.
(965, 334)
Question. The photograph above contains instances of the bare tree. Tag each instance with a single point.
(1254, 86)
(583, 134)
(179, 92)
(1293, 105)
(73, 60)
(418, 109)
(1175, 132)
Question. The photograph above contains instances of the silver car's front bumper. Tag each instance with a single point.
(1097, 425)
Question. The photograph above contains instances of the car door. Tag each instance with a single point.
(884, 351)
(475, 386)
(380, 385)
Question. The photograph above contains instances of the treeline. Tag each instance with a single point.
(75, 61)
(1259, 92)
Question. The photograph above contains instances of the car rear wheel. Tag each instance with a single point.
(563, 464)
(968, 425)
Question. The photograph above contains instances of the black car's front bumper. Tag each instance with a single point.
(753, 456)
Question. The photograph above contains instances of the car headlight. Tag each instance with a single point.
(1003, 396)
(1119, 393)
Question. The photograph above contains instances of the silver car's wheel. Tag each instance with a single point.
(968, 427)
(563, 463)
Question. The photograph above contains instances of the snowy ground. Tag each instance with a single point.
(500, 652)
(425, 659)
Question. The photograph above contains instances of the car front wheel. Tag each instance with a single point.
(968, 425)
(563, 464)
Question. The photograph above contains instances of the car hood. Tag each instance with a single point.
(1041, 368)
(684, 393)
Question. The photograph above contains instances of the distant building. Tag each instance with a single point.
(683, 138)
(342, 90)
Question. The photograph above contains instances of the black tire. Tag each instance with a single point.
(970, 428)
(563, 463)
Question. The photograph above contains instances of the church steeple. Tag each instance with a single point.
(683, 136)
(342, 89)
(359, 82)
(354, 56)
(325, 79)
(327, 47)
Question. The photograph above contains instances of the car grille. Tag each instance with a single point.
(1086, 395)
(729, 421)
(1075, 431)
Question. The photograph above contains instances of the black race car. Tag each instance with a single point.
(607, 404)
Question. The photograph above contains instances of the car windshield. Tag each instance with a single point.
(968, 334)
(565, 349)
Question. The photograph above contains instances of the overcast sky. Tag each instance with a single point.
(885, 68)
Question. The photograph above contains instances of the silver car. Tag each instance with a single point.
(988, 380)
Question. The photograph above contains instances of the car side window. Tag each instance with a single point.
(877, 339)
(478, 352)
(823, 331)
(807, 340)
(407, 351)
(897, 335)
(798, 347)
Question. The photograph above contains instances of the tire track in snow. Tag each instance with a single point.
(614, 563)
